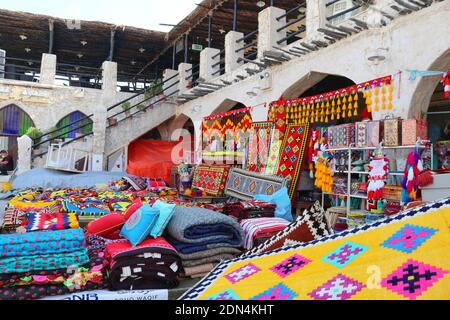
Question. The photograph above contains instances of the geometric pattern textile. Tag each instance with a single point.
(258, 147)
(291, 160)
(212, 179)
(305, 229)
(363, 267)
(243, 184)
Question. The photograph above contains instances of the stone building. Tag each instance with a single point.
(254, 53)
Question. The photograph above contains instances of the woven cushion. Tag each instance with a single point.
(261, 228)
(212, 179)
(243, 185)
(106, 225)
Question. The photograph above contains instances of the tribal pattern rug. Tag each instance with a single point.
(291, 160)
(243, 185)
(258, 147)
(212, 179)
(400, 257)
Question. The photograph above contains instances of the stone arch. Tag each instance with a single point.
(70, 122)
(308, 81)
(14, 120)
(227, 105)
(426, 86)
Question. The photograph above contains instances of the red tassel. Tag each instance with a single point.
(425, 179)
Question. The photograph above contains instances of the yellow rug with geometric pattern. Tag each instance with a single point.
(406, 256)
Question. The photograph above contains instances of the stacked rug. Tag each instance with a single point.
(404, 256)
(203, 236)
(259, 230)
(153, 264)
(41, 264)
(249, 209)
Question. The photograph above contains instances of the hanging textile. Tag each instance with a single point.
(225, 134)
(258, 147)
(291, 160)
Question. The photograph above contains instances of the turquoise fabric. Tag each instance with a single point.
(281, 200)
(44, 262)
(140, 224)
(166, 212)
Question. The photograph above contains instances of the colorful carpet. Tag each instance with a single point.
(293, 150)
(212, 179)
(274, 152)
(400, 257)
(258, 147)
(243, 185)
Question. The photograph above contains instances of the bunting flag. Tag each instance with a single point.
(291, 160)
(403, 257)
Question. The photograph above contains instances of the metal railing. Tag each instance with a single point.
(62, 132)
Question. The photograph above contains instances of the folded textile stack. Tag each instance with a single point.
(203, 236)
(40, 264)
(249, 209)
(153, 264)
(261, 229)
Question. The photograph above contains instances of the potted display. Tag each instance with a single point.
(127, 106)
(112, 121)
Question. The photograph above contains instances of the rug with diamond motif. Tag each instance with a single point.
(291, 160)
(258, 146)
(402, 257)
(211, 178)
(243, 184)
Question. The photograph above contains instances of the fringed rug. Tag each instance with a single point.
(258, 147)
(291, 160)
(400, 257)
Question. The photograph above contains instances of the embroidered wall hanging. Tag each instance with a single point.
(291, 160)
(258, 147)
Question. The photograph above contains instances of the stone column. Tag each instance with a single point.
(48, 69)
(207, 60)
(185, 71)
(268, 25)
(24, 144)
(231, 56)
(169, 86)
(316, 17)
(109, 89)
(2, 63)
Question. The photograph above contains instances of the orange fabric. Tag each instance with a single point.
(151, 159)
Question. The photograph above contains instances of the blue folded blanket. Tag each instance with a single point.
(196, 229)
(41, 243)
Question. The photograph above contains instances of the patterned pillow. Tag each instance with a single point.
(260, 228)
(51, 221)
(307, 227)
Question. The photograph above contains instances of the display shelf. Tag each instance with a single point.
(349, 172)
(373, 148)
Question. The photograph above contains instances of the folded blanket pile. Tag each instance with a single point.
(153, 264)
(204, 236)
(40, 264)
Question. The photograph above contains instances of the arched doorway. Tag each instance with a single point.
(72, 121)
(14, 122)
